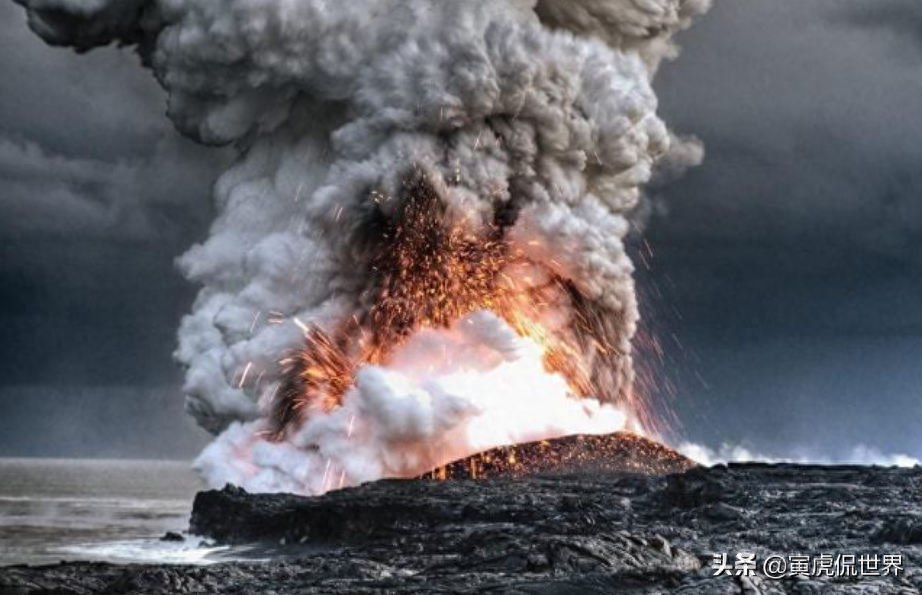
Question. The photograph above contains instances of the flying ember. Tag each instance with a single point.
(432, 269)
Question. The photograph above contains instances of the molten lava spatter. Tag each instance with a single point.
(431, 268)
(618, 452)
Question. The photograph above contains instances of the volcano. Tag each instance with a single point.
(421, 250)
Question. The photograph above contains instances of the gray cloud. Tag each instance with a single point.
(98, 106)
(811, 131)
(98, 195)
(901, 17)
(787, 265)
(85, 149)
(804, 216)
(88, 421)
(143, 198)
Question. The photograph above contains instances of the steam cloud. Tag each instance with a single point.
(860, 454)
(541, 110)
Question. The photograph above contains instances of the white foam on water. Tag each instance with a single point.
(192, 550)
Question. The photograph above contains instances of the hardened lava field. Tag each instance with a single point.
(581, 533)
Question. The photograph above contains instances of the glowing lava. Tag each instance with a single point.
(446, 393)
(433, 268)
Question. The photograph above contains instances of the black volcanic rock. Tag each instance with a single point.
(233, 516)
(579, 533)
(172, 536)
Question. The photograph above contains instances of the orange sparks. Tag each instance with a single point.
(431, 267)
(243, 377)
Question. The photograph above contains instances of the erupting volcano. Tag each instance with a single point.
(419, 255)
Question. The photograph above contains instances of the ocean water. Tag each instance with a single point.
(115, 511)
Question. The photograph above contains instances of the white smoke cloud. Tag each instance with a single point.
(543, 105)
(860, 454)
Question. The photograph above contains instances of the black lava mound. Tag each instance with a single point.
(621, 451)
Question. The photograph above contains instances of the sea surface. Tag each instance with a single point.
(115, 511)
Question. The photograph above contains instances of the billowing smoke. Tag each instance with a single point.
(517, 134)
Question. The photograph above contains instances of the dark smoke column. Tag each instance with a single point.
(539, 109)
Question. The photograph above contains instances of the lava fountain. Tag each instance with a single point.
(465, 341)
(419, 254)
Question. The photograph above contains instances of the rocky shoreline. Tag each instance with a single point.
(603, 532)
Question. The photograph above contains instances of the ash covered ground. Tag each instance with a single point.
(600, 530)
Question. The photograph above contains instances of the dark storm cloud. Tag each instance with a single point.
(82, 421)
(85, 149)
(812, 130)
(98, 195)
(902, 17)
(791, 255)
(812, 138)
(99, 105)
(149, 198)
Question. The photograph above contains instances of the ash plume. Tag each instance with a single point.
(524, 128)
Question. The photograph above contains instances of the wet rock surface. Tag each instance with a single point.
(603, 532)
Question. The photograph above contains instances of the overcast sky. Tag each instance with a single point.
(787, 266)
